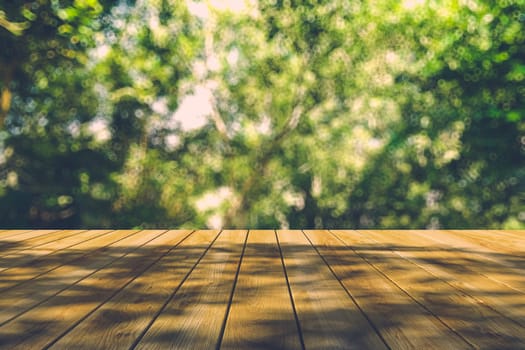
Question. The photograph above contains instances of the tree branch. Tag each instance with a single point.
(262, 161)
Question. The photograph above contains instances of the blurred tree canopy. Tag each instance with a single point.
(262, 114)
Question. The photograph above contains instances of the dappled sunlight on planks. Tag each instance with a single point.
(477, 323)
(285, 289)
(261, 314)
(328, 317)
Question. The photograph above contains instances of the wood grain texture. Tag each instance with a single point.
(128, 313)
(261, 315)
(156, 289)
(495, 240)
(329, 318)
(502, 267)
(17, 257)
(193, 318)
(27, 295)
(41, 325)
(25, 272)
(16, 240)
(456, 269)
(393, 312)
(36, 242)
(11, 233)
(478, 324)
(516, 234)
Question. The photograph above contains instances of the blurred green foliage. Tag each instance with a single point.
(298, 113)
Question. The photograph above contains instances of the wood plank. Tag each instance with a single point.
(15, 276)
(456, 270)
(414, 289)
(389, 308)
(513, 234)
(194, 317)
(128, 315)
(24, 256)
(516, 234)
(497, 241)
(16, 240)
(261, 315)
(39, 241)
(476, 322)
(470, 242)
(38, 327)
(10, 233)
(25, 296)
(504, 268)
(329, 318)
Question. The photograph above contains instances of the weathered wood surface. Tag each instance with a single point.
(284, 289)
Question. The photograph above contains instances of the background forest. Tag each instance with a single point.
(262, 114)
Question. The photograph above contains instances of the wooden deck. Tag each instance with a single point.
(262, 289)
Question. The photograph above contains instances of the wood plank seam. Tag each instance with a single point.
(28, 257)
(412, 269)
(297, 322)
(125, 315)
(514, 234)
(463, 291)
(194, 317)
(38, 233)
(55, 251)
(405, 292)
(374, 327)
(81, 279)
(468, 240)
(41, 244)
(15, 233)
(485, 258)
(157, 314)
(230, 300)
(487, 243)
(261, 315)
(67, 261)
(50, 344)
